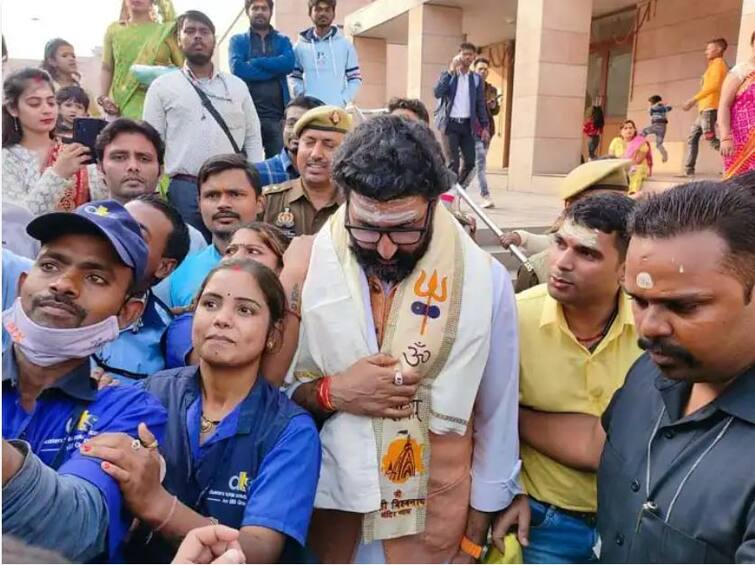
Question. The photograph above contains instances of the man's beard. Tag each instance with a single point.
(198, 58)
(260, 26)
(400, 267)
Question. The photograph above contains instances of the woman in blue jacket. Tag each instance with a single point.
(237, 450)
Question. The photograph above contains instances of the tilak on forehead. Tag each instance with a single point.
(584, 236)
(369, 211)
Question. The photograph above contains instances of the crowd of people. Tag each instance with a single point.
(242, 328)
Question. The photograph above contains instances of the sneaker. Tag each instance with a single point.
(487, 202)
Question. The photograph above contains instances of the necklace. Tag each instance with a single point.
(599, 337)
(206, 424)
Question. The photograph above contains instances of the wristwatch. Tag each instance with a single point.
(470, 548)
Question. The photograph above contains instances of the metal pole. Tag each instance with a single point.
(515, 251)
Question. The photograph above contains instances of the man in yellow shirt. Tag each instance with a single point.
(577, 343)
(707, 102)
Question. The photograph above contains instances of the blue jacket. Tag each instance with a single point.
(278, 65)
(445, 92)
(221, 481)
(326, 68)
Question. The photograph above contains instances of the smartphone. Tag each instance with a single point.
(85, 131)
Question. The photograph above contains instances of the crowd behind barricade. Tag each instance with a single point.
(237, 327)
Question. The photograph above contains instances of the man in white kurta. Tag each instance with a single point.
(408, 352)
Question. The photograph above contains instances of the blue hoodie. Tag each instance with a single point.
(326, 68)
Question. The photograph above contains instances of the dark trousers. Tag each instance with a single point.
(272, 136)
(705, 124)
(461, 145)
(183, 195)
(592, 146)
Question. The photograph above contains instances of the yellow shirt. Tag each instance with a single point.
(557, 374)
(713, 79)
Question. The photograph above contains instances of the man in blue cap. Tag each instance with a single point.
(74, 299)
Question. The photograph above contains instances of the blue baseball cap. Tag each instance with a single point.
(102, 217)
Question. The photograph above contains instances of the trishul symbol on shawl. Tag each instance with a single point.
(430, 293)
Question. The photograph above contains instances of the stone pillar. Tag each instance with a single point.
(372, 62)
(746, 27)
(434, 38)
(550, 78)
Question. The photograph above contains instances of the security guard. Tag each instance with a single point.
(587, 179)
(302, 206)
(76, 297)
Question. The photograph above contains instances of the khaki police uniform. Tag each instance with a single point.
(287, 205)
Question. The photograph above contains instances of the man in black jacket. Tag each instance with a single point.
(461, 114)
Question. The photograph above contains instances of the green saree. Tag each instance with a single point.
(126, 44)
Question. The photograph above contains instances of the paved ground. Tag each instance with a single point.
(520, 209)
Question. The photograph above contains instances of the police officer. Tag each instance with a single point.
(76, 297)
(301, 206)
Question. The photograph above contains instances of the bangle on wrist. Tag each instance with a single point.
(323, 395)
(727, 138)
(169, 516)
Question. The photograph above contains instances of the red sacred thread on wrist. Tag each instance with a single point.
(323, 395)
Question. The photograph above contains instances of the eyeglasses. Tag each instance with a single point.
(397, 236)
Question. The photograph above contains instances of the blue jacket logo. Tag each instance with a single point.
(239, 482)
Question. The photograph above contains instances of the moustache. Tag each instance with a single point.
(226, 214)
(665, 348)
(58, 301)
(133, 178)
(562, 276)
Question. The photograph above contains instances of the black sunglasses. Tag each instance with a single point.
(398, 236)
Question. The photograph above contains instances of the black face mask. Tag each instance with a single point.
(401, 265)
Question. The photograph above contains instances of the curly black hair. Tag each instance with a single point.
(388, 157)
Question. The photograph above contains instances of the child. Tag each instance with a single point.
(658, 121)
(74, 103)
(593, 129)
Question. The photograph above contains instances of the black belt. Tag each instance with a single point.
(459, 120)
(590, 518)
(186, 178)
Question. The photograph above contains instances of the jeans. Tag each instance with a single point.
(657, 129)
(592, 146)
(272, 136)
(460, 139)
(183, 195)
(557, 537)
(481, 152)
(705, 124)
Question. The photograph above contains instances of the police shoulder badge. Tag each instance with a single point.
(285, 219)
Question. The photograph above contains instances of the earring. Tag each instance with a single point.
(16, 125)
(270, 344)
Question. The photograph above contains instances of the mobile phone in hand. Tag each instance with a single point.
(85, 131)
